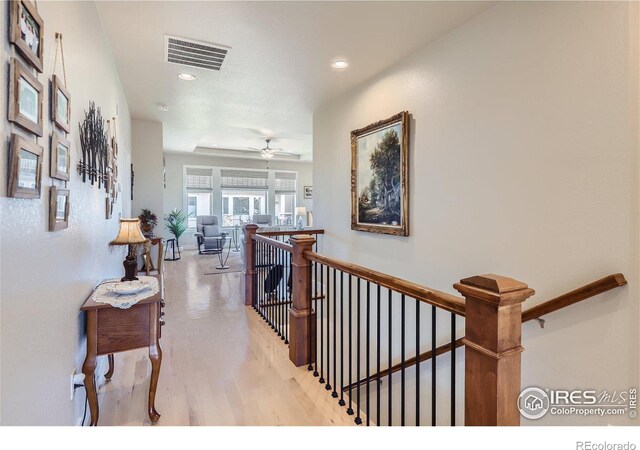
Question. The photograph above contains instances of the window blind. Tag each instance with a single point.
(200, 180)
(243, 179)
(286, 182)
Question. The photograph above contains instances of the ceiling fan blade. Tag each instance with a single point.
(255, 149)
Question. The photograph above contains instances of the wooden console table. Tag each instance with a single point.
(111, 330)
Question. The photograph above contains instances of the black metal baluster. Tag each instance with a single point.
(254, 300)
(417, 362)
(453, 369)
(310, 324)
(358, 420)
(268, 294)
(315, 309)
(341, 402)
(288, 291)
(390, 405)
(260, 273)
(278, 293)
(368, 346)
(433, 366)
(378, 357)
(402, 361)
(328, 302)
(350, 409)
(282, 294)
(334, 394)
(322, 299)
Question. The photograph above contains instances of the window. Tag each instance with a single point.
(199, 185)
(239, 206)
(244, 193)
(285, 187)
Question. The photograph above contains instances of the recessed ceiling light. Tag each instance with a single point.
(162, 107)
(186, 76)
(340, 64)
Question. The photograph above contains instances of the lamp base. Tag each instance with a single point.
(130, 263)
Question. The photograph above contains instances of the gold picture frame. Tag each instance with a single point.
(60, 104)
(25, 170)
(58, 209)
(380, 177)
(25, 98)
(26, 32)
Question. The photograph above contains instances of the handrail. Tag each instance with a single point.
(291, 232)
(424, 294)
(577, 295)
(272, 242)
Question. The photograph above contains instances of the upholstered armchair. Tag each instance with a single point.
(210, 239)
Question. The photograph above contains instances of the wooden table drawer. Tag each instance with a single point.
(123, 329)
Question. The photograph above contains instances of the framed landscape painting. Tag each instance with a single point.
(379, 176)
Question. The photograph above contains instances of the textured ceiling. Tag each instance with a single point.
(278, 70)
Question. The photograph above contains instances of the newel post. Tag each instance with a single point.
(493, 322)
(301, 316)
(249, 264)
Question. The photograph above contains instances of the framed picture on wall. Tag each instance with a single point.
(379, 176)
(25, 98)
(60, 158)
(58, 209)
(25, 170)
(60, 104)
(26, 31)
(308, 192)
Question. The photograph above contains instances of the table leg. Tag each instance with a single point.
(109, 373)
(222, 259)
(155, 355)
(89, 366)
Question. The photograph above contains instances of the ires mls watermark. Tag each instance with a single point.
(535, 402)
(588, 445)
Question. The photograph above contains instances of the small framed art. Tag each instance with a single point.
(60, 104)
(25, 171)
(60, 158)
(308, 192)
(25, 98)
(58, 209)
(26, 31)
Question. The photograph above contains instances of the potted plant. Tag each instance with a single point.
(148, 221)
(176, 223)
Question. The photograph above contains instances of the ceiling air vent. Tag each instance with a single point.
(188, 52)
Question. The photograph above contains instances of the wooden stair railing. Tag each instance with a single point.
(577, 295)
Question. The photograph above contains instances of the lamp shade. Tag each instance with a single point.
(301, 211)
(129, 233)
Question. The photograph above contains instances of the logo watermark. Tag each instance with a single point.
(535, 402)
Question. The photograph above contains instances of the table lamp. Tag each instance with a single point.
(300, 211)
(129, 234)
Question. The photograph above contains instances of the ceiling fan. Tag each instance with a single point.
(269, 152)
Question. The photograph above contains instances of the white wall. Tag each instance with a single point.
(174, 193)
(148, 183)
(523, 162)
(45, 277)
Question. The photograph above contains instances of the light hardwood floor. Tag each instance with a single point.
(222, 365)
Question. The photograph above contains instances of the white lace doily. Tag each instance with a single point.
(102, 295)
